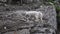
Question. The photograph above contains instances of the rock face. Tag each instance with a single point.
(23, 23)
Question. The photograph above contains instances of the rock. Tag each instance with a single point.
(18, 19)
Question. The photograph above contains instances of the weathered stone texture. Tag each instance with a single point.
(48, 26)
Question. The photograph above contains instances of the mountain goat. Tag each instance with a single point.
(37, 14)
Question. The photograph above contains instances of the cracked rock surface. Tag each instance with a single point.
(22, 23)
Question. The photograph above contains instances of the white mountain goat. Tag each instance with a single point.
(37, 14)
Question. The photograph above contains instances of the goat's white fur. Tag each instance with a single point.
(37, 14)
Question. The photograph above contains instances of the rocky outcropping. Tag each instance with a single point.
(16, 22)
